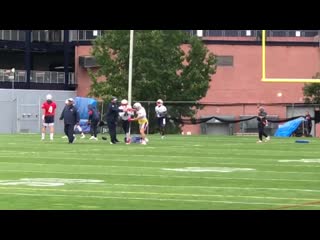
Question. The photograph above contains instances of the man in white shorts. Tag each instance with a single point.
(49, 109)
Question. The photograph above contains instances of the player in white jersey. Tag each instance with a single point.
(142, 120)
(124, 116)
(161, 112)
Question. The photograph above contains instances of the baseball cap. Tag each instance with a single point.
(124, 101)
(160, 101)
(49, 97)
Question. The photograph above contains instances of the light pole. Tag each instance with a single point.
(130, 76)
(130, 67)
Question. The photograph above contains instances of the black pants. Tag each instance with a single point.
(261, 131)
(69, 131)
(112, 130)
(94, 128)
(162, 124)
(125, 127)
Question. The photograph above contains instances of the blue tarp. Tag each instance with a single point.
(82, 105)
(286, 130)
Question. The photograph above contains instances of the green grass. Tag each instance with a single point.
(139, 177)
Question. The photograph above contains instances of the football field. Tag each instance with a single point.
(178, 172)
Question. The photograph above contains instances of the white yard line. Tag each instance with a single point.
(212, 187)
(215, 187)
(151, 161)
(175, 176)
(155, 193)
(148, 199)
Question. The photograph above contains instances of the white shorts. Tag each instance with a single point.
(48, 124)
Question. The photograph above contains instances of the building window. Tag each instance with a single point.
(81, 35)
(6, 35)
(89, 35)
(21, 35)
(224, 60)
(232, 33)
(35, 35)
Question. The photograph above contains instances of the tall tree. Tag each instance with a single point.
(167, 64)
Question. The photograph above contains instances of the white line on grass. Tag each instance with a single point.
(120, 166)
(156, 193)
(147, 199)
(174, 176)
(214, 187)
(302, 160)
(155, 161)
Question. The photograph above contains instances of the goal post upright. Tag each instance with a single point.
(279, 80)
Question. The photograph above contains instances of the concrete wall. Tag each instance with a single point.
(21, 109)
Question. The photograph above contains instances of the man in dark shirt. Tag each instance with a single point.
(93, 120)
(262, 122)
(112, 117)
(308, 124)
(71, 118)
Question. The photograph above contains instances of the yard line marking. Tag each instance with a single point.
(207, 169)
(140, 198)
(302, 160)
(52, 182)
(215, 187)
(151, 161)
(155, 193)
(174, 176)
(212, 187)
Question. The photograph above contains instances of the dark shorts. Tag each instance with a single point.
(48, 119)
(162, 121)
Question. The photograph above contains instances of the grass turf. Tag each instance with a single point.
(179, 172)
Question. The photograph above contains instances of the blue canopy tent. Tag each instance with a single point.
(286, 129)
(82, 105)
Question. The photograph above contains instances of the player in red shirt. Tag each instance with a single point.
(49, 109)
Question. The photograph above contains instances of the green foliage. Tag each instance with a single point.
(161, 68)
(311, 91)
